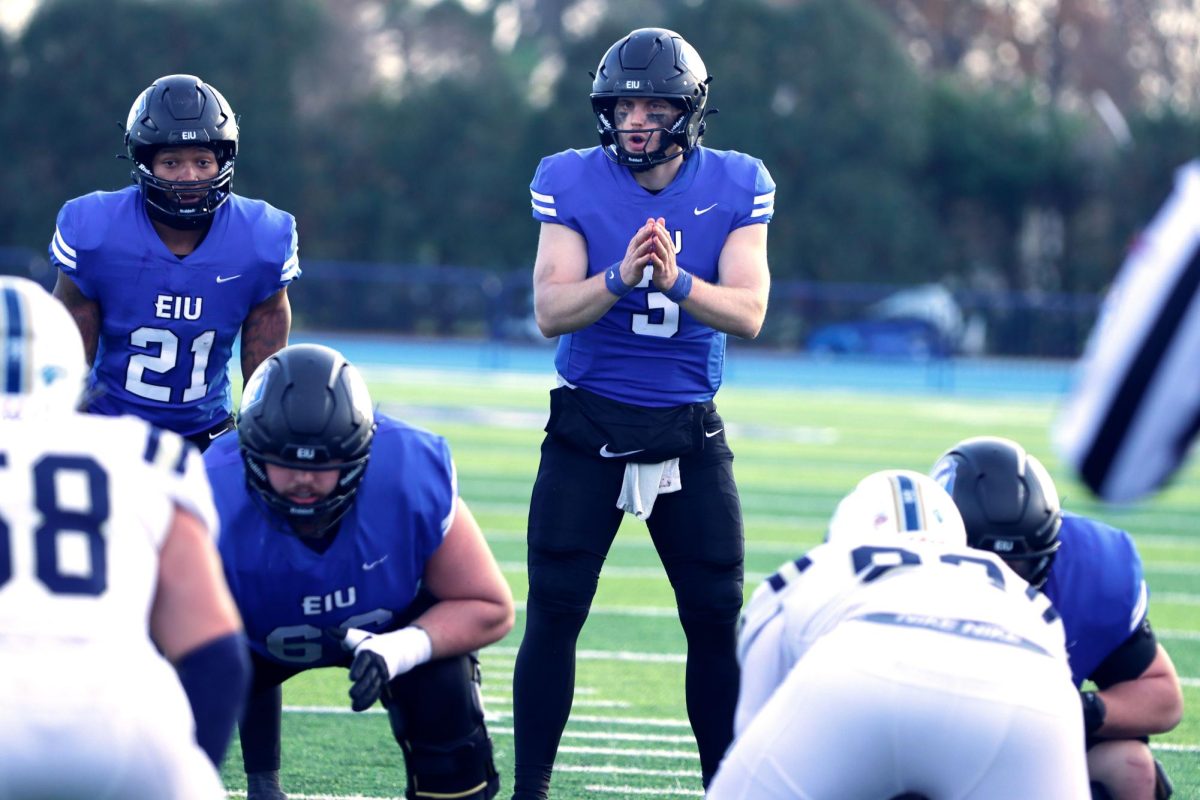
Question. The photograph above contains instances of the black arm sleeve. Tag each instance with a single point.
(215, 677)
(1129, 659)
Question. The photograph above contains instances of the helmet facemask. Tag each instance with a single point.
(162, 196)
(675, 134)
(306, 520)
(181, 111)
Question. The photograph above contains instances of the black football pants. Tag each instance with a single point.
(573, 520)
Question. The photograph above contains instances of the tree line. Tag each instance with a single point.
(407, 133)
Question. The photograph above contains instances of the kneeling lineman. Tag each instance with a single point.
(893, 661)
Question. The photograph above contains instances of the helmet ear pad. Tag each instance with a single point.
(307, 408)
(1007, 499)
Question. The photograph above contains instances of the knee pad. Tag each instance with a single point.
(708, 594)
(462, 770)
(563, 583)
(447, 768)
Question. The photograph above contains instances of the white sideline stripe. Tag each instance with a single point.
(605, 736)
(634, 753)
(613, 769)
(625, 791)
(499, 701)
(1182, 598)
(294, 796)
(1171, 568)
(605, 655)
(507, 701)
(818, 522)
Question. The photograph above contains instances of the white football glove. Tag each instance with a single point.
(380, 657)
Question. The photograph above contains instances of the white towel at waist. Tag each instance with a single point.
(644, 483)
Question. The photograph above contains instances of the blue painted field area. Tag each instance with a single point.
(746, 366)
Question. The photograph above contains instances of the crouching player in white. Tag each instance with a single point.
(105, 545)
(895, 662)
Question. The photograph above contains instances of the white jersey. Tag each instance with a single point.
(935, 667)
(1127, 424)
(86, 504)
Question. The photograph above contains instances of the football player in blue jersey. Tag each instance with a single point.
(162, 276)
(652, 250)
(1093, 575)
(380, 568)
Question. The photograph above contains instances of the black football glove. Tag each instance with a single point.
(369, 677)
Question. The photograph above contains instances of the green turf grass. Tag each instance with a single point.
(797, 453)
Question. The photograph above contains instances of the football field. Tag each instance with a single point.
(798, 451)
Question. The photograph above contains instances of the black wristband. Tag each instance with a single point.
(1094, 712)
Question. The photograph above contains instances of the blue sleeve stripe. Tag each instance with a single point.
(789, 572)
(152, 444)
(15, 368)
(181, 462)
(63, 252)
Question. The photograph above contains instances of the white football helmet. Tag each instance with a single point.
(42, 367)
(898, 501)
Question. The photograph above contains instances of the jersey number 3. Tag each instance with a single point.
(59, 523)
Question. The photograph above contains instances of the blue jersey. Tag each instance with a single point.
(288, 594)
(647, 350)
(1096, 584)
(167, 325)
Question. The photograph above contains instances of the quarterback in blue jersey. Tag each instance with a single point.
(162, 276)
(1093, 575)
(379, 568)
(652, 250)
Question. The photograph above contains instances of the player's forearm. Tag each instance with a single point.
(728, 309)
(264, 333)
(566, 307)
(460, 626)
(1141, 707)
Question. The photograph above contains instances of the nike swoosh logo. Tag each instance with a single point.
(212, 436)
(714, 433)
(604, 451)
(699, 211)
(227, 279)
(374, 564)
